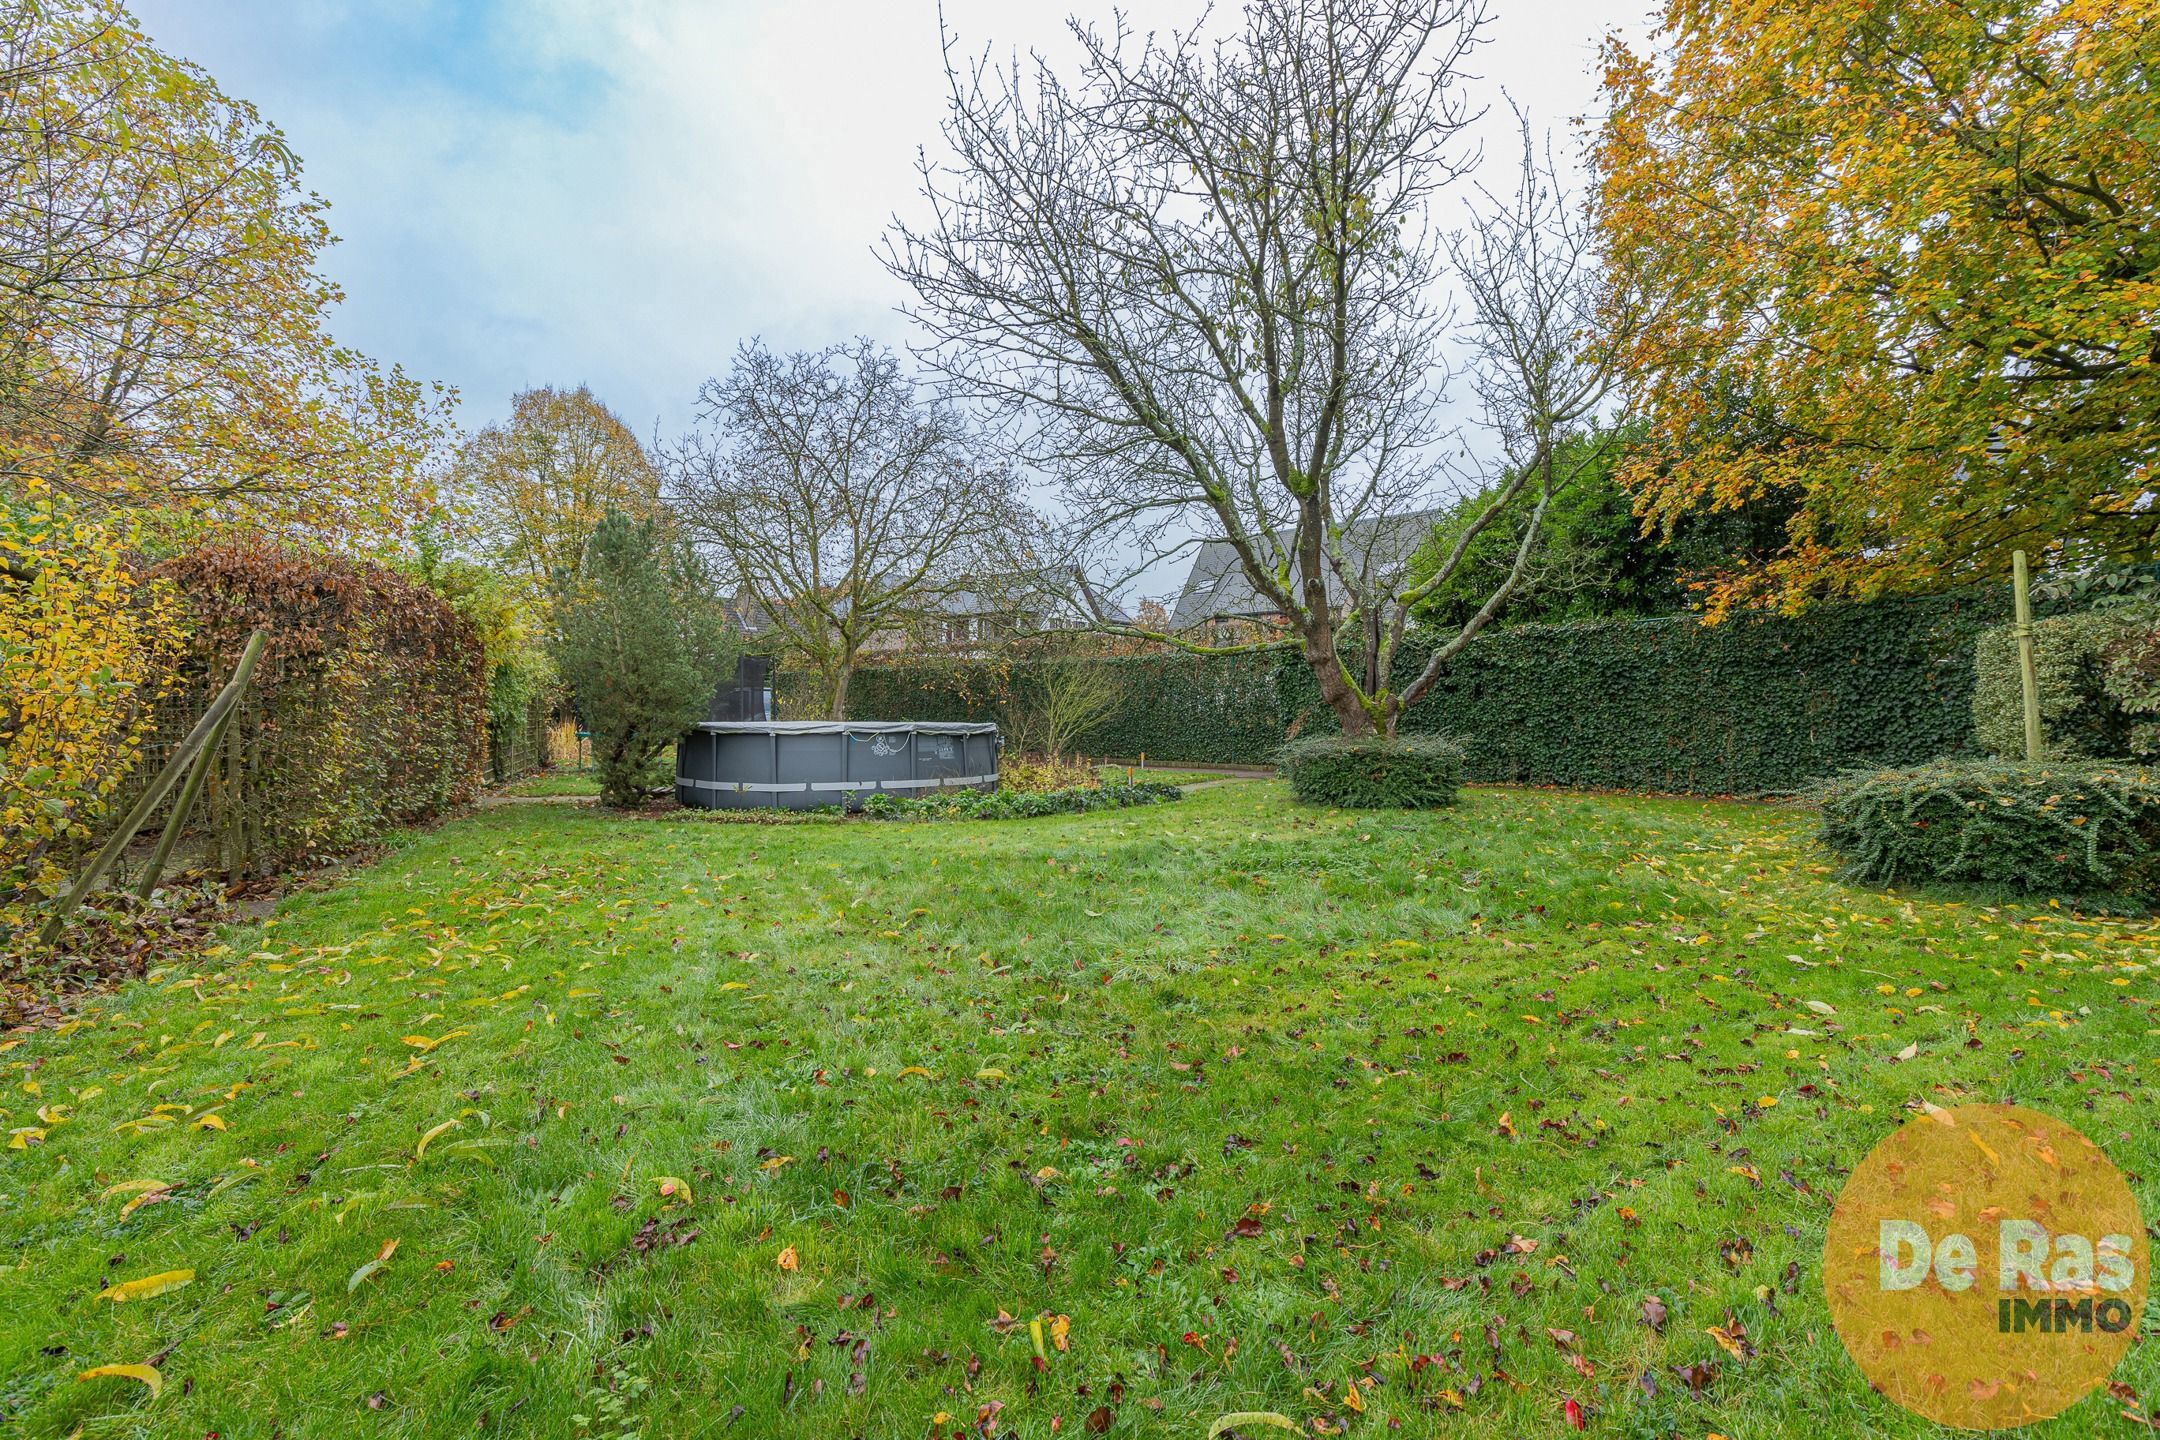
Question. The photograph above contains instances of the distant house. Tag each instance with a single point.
(1217, 593)
(984, 613)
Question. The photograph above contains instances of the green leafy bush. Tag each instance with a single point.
(641, 642)
(2095, 674)
(2055, 829)
(1369, 772)
(1016, 804)
(1593, 561)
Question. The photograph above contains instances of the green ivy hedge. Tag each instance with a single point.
(1213, 709)
(1745, 707)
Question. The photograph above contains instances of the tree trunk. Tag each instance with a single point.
(840, 686)
(1335, 688)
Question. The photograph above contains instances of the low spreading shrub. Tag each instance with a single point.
(1015, 804)
(1037, 773)
(2074, 828)
(1369, 772)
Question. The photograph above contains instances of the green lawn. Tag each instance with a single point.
(556, 782)
(1265, 1102)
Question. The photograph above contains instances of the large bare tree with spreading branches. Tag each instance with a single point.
(1202, 285)
(842, 505)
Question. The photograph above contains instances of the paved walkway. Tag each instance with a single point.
(1241, 778)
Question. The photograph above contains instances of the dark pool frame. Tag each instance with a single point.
(803, 764)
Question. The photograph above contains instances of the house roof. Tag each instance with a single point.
(1216, 587)
(1052, 594)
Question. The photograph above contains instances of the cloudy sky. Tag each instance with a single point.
(616, 192)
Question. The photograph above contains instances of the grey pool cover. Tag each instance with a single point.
(801, 764)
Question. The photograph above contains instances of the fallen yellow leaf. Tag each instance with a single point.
(147, 1286)
(148, 1375)
(421, 1149)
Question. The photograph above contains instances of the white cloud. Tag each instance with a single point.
(618, 191)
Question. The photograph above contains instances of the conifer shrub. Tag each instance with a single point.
(1369, 772)
(2052, 829)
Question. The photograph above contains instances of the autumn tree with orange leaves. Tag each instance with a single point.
(166, 373)
(163, 321)
(1909, 259)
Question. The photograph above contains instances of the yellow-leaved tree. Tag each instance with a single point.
(536, 486)
(1907, 257)
(163, 321)
(166, 373)
(85, 647)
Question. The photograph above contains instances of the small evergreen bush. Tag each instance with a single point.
(2073, 828)
(1016, 804)
(1412, 772)
(640, 644)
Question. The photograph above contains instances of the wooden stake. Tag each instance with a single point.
(2028, 675)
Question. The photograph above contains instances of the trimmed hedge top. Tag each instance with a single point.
(1371, 772)
(2067, 829)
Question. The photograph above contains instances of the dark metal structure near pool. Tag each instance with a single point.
(802, 764)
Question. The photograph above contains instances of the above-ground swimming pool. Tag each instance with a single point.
(802, 764)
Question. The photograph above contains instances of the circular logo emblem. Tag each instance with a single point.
(1985, 1266)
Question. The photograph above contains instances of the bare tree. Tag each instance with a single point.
(844, 508)
(1053, 700)
(1199, 286)
(1549, 330)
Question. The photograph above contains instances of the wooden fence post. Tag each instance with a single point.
(183, 756)
(205, 758)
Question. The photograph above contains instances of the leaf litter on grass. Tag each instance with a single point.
(1345, 1119)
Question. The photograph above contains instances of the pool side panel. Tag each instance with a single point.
(804, 765)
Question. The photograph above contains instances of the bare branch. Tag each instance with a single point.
(1197, 285)
(845, 509)
(1550, 327)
